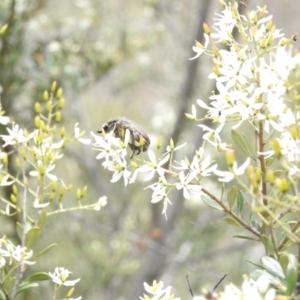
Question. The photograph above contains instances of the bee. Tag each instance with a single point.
(138, 141)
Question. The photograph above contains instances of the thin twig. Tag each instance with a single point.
(219, 282)
(286, 239)
(231, 213)
(190, 289)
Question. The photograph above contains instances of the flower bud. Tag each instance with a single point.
(3, 29)
(63, 132)
(269, 26)
(254, 19)
(84, 190)
(61, 193)
(294, 132)
(78, 194)
(59, 93)
(61, 103)
(159, 143)
(270, 177)
(41, 170)
(4, 159)
(37, 108)
(18, 163)
(206, 29)
(46, 96)
(53, 186)
(172, 146)
(70, 293)
(37, 121)
(15, 189)
(230, 158)
(49, 106)
(282, 184)
(134, 164)
(276, 147)
(216, 71)
(13, 198)
(53, 87)
(58, 116)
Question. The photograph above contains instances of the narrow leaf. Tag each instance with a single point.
(240, 202)
(42, 219)
(240, 141)
(267, 244)
(211, 203)
(272, 266)
(232, 222)
(291, 274)
(45, 250)
(231, 196)
(39, 276)
(246, 237)
(25, 286)
(31, 237)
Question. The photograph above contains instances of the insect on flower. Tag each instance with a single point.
(139, 140)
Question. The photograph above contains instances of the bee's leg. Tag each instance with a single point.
(131, 157)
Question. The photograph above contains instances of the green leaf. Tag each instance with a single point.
(246, 237)
(45, 250)
(42, 219)
(211, 203)
(31, 237)
(265, 240)
(269, 160)
(232, 222)
(291, 274)
(256, 274)
(240, 202)
(231, 196)
(19, 230)
(25, 286)
(39, 276)
(240, 141)
(272, 266)
(255, 225)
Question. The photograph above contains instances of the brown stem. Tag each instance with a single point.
(286, 239)
(261, 144)
(231, 213)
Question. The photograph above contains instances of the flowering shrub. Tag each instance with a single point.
(256, 76)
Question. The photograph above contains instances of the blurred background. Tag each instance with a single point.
(124, 59)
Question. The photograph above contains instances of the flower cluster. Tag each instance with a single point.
(113, 152)
(157, 292)
(59, 277)
(251, 289)
(251, 77)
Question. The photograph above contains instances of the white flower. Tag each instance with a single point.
(199, 49)
(4, 181)
(152, 167)
(78, 135)
(185, 184)
(158, 292)
(60, 275)
(15, 136)
(37, 204)
(228, 176)
(21, 254)
(47, 173)
(101, 203)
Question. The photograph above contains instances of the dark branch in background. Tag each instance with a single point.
(215, 287)
(190, 289)
(154, 262)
